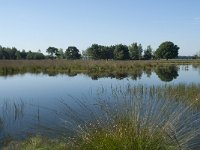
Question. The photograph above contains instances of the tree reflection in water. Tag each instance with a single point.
(167, 74)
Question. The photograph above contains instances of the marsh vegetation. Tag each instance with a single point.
(131, 117)
(92, 68)
(129, 105)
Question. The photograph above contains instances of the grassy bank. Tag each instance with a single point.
(129, 118)
(95, 69)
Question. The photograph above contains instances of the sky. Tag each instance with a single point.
(38, 24)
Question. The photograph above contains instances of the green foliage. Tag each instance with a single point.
(23, 54)
(29, 55)
(94, 52)
(148, 53)
(121, 52)
(100, 52)
(167, 50)
(197, 55)
(135, 51)
(39, 56)
(35, 55)
(61, 54)
(109, 52)
(118, 52)
(7, 53)
(52, 51)
(140, 49)
(72, 53)
(18, 55)
(13, 53)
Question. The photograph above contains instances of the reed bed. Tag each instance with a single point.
(10, 67)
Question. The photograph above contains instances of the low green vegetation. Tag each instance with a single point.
(131, 118)
(37, 143)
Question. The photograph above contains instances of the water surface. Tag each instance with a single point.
(28, 100)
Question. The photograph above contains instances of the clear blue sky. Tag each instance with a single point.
(37, 24)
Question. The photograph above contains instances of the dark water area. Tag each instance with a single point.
(30, 102)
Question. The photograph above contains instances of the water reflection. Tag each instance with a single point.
(196, 67)
(167, 74)
(136, 75)
(44, 90)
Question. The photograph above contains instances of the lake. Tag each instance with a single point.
(30, 102)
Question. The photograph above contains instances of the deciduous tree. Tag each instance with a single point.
(72, 53)
(52, 51)
(148, 53)
(121, 52)
(167, 50)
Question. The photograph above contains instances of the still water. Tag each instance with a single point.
(31, 100)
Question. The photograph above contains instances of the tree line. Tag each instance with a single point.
(166, 50)
(15, 54)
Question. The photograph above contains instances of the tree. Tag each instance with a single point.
(121, 52)
(167, 50)
(197, 55)
(148, 53)
(18, 55)
(72, 53)
(29, 55)
(38, 55)
(84, 55)
(105, 52)
(94, 52)
(61, 53)
(52, 51)
(135, 51)
(5, 53)
(11, 52)
(1, 52)
(110, 52)
(23, 54)
(99, 52)
(140, 50)
(35, 55)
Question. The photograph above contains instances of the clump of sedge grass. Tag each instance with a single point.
(136, 118)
